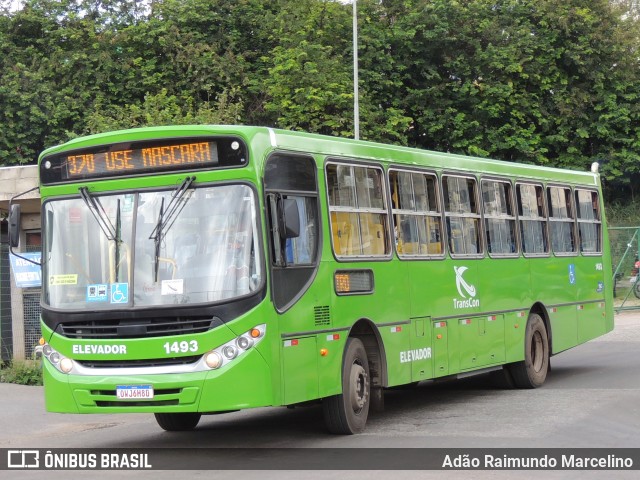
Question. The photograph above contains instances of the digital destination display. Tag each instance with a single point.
(142, 157)
(89, 164)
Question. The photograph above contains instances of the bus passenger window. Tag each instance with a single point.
(561, 220)
(359, 219)
(416, 213)
(463, 215)
(533, 219)
(499, 218)
(589, 224)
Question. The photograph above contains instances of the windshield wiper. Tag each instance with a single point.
(166, 218)
(98, 212)
(155, 235)
(112, 233)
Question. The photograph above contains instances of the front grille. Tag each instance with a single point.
(152, 362)
(138, 328)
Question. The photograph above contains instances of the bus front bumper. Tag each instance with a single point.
(246, 384)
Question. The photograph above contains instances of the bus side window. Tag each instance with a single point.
(561, 220)
(532, 219)
(463, 215)
(358, 215)
(499, 217)
(416, 213)
(589, 222)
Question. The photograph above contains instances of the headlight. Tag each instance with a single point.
(60, 362)
(66, 365)
(235, 348)
(244, 343)
(213, 360)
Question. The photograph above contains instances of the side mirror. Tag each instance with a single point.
(289, 219)
(14, 225)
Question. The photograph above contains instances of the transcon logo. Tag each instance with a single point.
(464, 288)
(462, 284)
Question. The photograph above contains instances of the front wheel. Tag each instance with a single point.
(177, 422)
(347, 413)
(532, 372)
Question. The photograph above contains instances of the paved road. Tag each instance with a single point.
(591, 399)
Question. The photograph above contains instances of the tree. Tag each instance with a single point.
(551, 82)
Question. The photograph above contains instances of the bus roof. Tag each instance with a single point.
(340, 148)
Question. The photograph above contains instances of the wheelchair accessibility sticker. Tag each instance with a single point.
(119, 293)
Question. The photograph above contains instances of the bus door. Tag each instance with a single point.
(291, 198)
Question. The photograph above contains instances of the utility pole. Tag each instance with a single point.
(356, 104)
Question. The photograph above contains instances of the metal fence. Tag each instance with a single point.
(31, 312)
(20, 302)
(625, 257)
(6, 336)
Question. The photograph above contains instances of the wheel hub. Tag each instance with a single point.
(358, 391)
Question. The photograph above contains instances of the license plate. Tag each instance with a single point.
(134, 392)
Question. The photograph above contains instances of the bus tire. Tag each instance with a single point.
(177, 422)
(347, 412)
(532, 372)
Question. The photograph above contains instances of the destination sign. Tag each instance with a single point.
(134, 158)
(90, 164)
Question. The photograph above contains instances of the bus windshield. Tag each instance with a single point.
(151, 248)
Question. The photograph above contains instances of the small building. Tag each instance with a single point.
(19, 307)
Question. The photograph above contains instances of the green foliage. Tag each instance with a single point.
(624, 214)
(22, 372)
(550, 82)
(163, 109)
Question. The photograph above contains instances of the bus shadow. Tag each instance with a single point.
(303, 425)
(294, 427)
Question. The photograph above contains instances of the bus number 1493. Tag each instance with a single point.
(181, 347)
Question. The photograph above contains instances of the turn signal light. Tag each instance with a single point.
(255, 333)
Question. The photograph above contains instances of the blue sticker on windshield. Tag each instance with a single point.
(119, 293)
(97, 293)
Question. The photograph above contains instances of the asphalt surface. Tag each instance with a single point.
(591, 400)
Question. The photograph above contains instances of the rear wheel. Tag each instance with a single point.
(347, 413)
(532, 372)
(177, 422)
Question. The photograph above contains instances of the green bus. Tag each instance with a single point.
(190, 270)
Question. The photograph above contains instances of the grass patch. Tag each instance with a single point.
(623, 214)
(22, 372)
